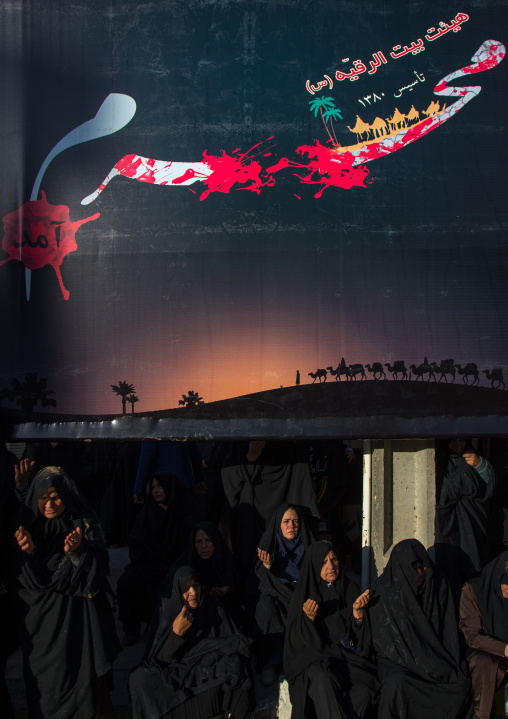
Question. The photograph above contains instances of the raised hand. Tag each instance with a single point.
(24, 540)
(266, 558)
(360, 604)
(22, 473)
(310, 608)
(183, 622)
(72, 540)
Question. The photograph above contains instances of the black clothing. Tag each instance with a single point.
(416, 638)
(314, 647)
(217, 571)
(493, 606)
(205, 668)
(276, 586)
(66, 604)
(254, 490)
(156, 539)
(462, 545)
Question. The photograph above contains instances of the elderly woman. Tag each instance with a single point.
(416, 637)
(327, 642)
(66, 604)
(197, 666)
(281, 551)
(484, 621)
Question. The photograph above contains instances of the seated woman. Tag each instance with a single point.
(281, 551)
(69, 640)
(484, 621)
(156, 539)
(415, 635)
(327, 642)
(208, 553)
(197, 666)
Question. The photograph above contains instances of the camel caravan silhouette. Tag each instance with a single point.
(424, 371)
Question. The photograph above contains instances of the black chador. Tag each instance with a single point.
(66, 603)
(327, 661)
(415, 635)
(198, 675)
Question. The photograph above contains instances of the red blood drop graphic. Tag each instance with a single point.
(39, 234)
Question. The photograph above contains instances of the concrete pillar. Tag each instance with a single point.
(403, 496)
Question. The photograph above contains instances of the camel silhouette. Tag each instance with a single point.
(376, 369)
(397, 368)
(318, 374)
(471, 369)
(495, 376)
(446, 367)
(424, 368)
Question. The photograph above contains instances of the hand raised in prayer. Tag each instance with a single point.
(360, 604)
(255, 449)
(310, 608)
(472, 459)
(22, 473)
(266, 558)
(24, 540)
(219, 591)
(72, 540)
(183, 622)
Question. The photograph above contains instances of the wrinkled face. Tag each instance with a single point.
(422, 571)
(192, 594)
(457, 445)
(50, 504)
(330, 568)
(204, 545)
(504, 590)
(158, 492)
(290, 524)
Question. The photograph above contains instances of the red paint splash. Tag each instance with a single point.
(39, 234)
(325, 168)
(235, 168)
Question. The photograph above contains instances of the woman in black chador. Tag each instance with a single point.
(197, 666)
(281, 551)
(208, 553)
(157, 538)
(327, 643)
(65, 601)
(415, 635)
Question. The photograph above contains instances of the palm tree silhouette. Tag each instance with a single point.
(132, 399)
(28, 393)
(123, 389)
(330, 113)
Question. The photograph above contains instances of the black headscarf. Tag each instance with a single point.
(65, 603)
(158, 536)
(217, 571)
(416, 627)
(212, 654)
(493, 606)
(320, 641)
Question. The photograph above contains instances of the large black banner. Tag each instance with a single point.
(209, 207)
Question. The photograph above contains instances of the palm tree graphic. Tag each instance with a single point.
(132, 399)
(326, 107)
(123, 389)
(28, 393)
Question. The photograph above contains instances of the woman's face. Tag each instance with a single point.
(504, 590)
(50, 504)
(290, 524)
(192, 594)
(204, 545)
(422, 571)
(330, 568)
(158, 492)
(457, 445)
